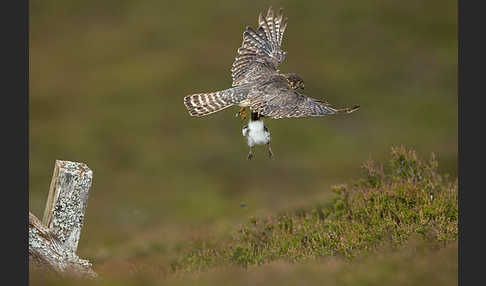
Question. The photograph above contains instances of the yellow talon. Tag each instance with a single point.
(242, 113)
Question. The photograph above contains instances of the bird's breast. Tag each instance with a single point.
(256, 133)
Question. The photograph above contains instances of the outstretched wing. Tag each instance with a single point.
(260, 53)
(285, 102)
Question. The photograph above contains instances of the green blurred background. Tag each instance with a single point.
(107, 79)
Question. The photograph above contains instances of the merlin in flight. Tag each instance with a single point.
(257, 82)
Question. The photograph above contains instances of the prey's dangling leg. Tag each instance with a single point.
(270, 153)
(241, 113)
(250, 154)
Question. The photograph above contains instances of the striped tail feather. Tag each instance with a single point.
(201, 104)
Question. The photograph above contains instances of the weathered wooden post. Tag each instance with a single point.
(53, 242)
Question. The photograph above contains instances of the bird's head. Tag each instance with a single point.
(294, 80)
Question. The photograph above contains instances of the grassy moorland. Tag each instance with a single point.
(397, 214)
(107, 80)
(410, 199)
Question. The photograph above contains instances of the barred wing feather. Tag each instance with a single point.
(260, 53)
(289, 103)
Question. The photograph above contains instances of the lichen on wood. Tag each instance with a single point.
(46, 250)
(53, 243)
(67, 201)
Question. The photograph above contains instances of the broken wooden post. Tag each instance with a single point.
(54, 241)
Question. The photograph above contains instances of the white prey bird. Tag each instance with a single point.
(256, 133)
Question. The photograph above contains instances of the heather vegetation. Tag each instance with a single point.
(388, 205)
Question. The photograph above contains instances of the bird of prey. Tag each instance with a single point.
(257, 82)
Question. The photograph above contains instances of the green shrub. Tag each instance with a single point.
(387, 206)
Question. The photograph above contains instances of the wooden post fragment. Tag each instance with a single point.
(53, 243)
